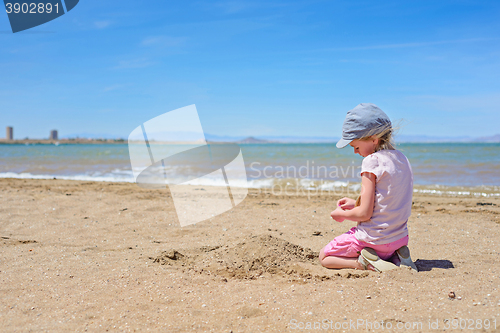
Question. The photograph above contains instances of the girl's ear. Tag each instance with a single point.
(375, 140)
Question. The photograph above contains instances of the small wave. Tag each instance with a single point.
(283, 184)
(474, 191)
(104, 178)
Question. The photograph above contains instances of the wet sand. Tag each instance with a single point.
(97, 256)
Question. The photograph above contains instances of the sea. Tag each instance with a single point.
(458, 169)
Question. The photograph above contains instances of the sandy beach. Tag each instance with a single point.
(98, 256)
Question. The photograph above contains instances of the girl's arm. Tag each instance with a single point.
(365, 210)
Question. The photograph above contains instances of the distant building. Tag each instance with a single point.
(53, 135)
(10, 133)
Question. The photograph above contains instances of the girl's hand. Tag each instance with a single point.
(346, 203)
(337, 215)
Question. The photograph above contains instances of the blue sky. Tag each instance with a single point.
(261, 68)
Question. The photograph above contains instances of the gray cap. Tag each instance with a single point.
(364, 120)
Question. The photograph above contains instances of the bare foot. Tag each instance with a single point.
(368, 267)
(371, 268)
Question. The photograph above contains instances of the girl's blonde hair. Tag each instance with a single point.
(385, 139)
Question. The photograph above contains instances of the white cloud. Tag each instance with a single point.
(113, 87)
(163, 41)
(102, 24)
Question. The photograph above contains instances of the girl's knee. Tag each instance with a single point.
(321, 256)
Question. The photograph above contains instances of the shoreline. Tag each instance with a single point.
(486, 191)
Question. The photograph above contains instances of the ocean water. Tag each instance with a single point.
(439, 168)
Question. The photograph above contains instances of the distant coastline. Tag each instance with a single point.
(318, 139)
(213, 139)
(62, 141)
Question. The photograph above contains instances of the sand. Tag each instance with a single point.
(79, 256)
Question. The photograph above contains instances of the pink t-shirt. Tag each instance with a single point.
(393, 197)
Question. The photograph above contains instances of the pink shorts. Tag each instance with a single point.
(346, 245)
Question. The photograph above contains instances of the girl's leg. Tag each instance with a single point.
(339, 262)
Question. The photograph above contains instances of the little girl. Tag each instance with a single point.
(384, 206)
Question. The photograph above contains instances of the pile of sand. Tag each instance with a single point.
(250, 259)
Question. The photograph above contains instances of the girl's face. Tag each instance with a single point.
(364, 147)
